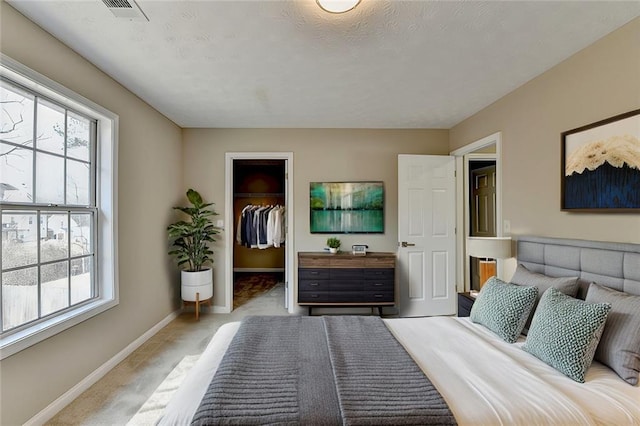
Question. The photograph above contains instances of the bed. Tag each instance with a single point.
(485, 379)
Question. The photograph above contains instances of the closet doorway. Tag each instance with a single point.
(259, 217)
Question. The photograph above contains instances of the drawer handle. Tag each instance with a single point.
(378, 296)
(378, 284)
(314, 272)
(314, 296)
(314, 284)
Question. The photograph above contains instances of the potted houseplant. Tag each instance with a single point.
(334, 244)
(190, 246)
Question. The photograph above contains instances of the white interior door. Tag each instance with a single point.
(426, 233)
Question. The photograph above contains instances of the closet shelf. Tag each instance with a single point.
(258, 194)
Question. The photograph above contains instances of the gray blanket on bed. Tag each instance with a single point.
(319, 371)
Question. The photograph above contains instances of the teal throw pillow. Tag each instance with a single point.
(565, 332)
(523, 276)
(503, 308)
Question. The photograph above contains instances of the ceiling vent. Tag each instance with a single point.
(126, 9)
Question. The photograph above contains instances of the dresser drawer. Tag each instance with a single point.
(337, 286)
(379, 273)
(313, 285)
(347, 262)
(313, 296)
(377, 297)
(346, 297)
(346, 274)
(379, 285)
(380, 262)
(311, 261)
(313, 274)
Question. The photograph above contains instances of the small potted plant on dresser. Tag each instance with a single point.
(334, 244)
(190, 241)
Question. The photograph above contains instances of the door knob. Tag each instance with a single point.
(406, 244)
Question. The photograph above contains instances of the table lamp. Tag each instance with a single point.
(488, 249)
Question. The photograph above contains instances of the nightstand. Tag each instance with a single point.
(465, 302)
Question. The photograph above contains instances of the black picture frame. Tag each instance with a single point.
(346, 207)
(601, 166)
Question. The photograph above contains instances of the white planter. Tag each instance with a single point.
(333, 250)
(197, 282)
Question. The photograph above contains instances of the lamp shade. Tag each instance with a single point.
(489, 247)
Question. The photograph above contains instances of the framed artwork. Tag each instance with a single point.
(601, 166)
(346, 207)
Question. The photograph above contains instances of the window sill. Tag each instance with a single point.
(21, 340)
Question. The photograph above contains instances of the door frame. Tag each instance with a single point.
(229, 220)
(462, 155)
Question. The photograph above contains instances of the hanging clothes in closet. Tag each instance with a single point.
(261, 226)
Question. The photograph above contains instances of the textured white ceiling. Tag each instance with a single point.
(386, 64)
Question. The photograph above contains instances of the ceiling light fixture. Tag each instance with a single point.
(337, 6)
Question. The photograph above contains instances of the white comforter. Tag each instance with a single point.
(483, 379)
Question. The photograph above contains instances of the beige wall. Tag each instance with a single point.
(150, 182)
(601, 81)
(319, 155)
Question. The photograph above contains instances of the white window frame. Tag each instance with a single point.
(106, 245)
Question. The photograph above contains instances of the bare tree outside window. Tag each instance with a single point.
(47, 206)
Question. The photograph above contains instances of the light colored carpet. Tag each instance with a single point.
(117, 398)
(152, 409)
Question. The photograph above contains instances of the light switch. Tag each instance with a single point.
(506, 227)
(220, 223)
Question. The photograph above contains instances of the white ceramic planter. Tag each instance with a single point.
(333, 250)
(197, 282)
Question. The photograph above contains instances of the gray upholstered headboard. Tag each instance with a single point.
(615, 265)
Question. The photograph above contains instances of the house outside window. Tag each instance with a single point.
(57, 207)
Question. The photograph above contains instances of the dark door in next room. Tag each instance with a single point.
(482, 181)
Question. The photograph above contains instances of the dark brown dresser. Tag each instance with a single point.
(344, 279)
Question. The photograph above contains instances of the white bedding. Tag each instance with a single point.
(483, 379)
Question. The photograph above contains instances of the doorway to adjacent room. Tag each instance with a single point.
(482, 206)
(259, 214)
(485, 152)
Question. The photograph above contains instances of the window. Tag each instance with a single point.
(57, 193)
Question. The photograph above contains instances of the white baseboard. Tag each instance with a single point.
(221, 310)
(56, 406)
